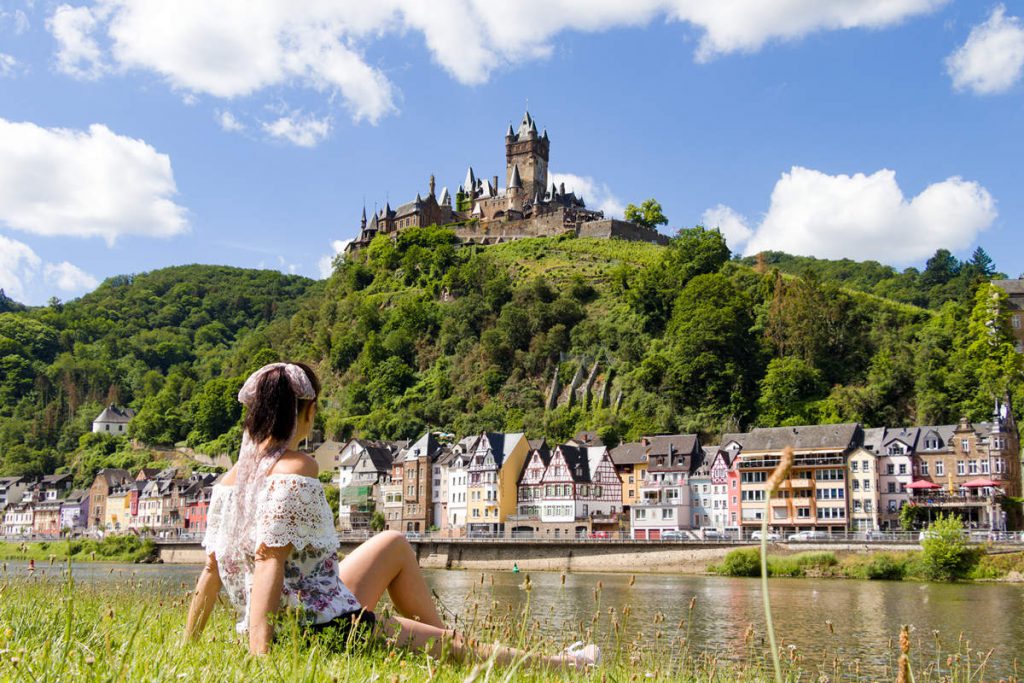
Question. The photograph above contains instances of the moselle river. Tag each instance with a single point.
(822, 618)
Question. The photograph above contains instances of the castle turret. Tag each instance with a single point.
(529, 151)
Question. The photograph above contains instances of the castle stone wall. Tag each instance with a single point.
(624, 230)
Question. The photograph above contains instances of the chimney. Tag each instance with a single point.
(494, 183)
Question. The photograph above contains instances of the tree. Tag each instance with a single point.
(377, 521)
(940, 268)
(693, 252)
(648, 214)
(982, 262)
(789, 390)
(944, 550)
(986, 365)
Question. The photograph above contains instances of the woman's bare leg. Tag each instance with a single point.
(387, 562)
(415, 635)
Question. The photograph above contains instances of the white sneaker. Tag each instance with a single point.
(583, 655)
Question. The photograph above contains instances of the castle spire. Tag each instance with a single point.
(431, 184)
(362, 223)
(470, 183)
(516, 183)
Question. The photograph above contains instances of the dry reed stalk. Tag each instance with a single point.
(777, 476)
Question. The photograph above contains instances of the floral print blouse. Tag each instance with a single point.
(292, 509)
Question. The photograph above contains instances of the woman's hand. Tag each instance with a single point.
(204, 598)
(267, 582)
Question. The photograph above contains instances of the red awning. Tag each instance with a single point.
(923, 484)
(979, 483)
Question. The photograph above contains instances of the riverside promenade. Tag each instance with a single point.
(665, 557)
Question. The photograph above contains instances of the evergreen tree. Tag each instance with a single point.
(982, 262)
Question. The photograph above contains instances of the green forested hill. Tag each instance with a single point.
(420, 332)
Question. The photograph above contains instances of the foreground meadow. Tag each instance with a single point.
(52, 629)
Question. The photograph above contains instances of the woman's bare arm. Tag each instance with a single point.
(267, 583)
(203, 599)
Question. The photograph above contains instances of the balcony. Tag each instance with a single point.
(603, 518)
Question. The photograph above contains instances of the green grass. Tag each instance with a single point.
(126, 548)
(51, 629)
(561, 259)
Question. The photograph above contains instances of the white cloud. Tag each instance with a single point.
(94, 183)
(230, 48)
(8, 65)
(326, 262)
(597, 195)
(867, 217)
(20, 268)
(229, 123)
(21, 22)
(733, 225)
(992, 59)
(304, 131)
(18, 265)
(78, 53)
(68, 277)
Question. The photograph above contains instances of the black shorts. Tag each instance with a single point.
(344, 630)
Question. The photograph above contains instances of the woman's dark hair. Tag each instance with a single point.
(272, 412)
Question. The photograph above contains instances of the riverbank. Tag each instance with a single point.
(887, 566)
(109, 549)
(130, 630)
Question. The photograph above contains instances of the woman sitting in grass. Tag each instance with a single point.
(271, 543)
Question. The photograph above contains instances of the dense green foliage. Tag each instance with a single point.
(172, 344)
(945, 554)
(418, 332)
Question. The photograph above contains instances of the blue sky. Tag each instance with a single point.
(145, 134)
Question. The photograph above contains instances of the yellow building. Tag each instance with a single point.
(118, 511)
(631, 463)
(494, 468)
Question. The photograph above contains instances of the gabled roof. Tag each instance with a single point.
(115, 414)
(576, 460)
(632, 453)
(838, 437)
(113, 476)
(76, 497)
(662, 444)
(427, 445)
(501, 444)
(1014, 287)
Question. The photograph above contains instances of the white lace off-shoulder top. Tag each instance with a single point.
(291, 509)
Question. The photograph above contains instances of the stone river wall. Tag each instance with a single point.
(597, 556)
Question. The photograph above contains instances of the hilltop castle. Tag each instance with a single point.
(526, 207)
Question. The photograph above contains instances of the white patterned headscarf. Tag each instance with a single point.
(256, 459)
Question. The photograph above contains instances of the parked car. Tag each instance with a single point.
(673, 535)
(600, 535)
(713, 535)
(771, 536)
(808, 536)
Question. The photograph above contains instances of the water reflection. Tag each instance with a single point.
(865, 615)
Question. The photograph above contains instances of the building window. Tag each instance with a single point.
(1000, 465)
(667, 513)
(961, 468)
(892, 487)
(867, 484)
(972, 467)
(965, 445)
(940, 468)
(856, 506)
(903, 468)
(856, 484)
(1015, 321)
(853, 465)
(803, 513)
(867, 506)
(890, 469)
(753, 478)
(924, 469)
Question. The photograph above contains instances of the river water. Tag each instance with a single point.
(865, 616)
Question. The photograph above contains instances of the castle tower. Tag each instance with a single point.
(526, 150)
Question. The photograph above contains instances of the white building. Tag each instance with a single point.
(455, 473)
(113, 420)
(18, 519)
(665, 502)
